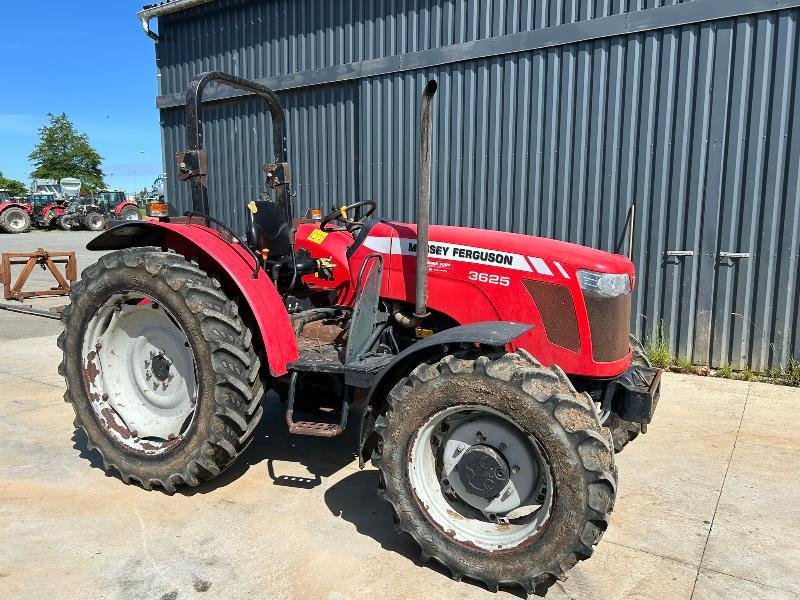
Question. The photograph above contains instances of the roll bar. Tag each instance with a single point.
(192, 164)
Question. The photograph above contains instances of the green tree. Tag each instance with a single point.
(63, 152)
(14, 187)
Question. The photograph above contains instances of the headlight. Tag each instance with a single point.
(605, 284)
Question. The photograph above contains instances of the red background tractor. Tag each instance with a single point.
(94, 213)
(492, 373)
(15, 217)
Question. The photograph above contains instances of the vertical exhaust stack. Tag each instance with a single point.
(424, 200)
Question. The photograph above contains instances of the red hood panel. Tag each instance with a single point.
(532, 247)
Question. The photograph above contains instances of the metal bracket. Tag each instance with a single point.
(192, 164)
(734, 255)
(679, 252)
(47, 261)
(278, 174)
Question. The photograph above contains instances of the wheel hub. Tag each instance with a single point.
(480, 476)
(484, 472)
(160, 367)
(141, 373)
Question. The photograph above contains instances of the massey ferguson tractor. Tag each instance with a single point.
(491, 374)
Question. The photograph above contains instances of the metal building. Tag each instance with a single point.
(553, 118)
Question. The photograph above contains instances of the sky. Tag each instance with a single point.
(91, 60)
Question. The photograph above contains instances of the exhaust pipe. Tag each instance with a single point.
(424, 201)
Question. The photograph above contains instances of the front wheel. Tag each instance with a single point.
(624, 432)
(160, 369)
(497, 468)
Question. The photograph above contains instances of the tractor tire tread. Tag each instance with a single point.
(588, 439)
(234, 367)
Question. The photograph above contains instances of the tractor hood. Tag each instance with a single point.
(511, 249)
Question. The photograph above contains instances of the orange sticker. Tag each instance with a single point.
(317, 236)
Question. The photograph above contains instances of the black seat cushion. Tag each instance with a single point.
(268, 229)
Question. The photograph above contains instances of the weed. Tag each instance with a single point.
(725, 371)
(793, 372)
(658, 350)
(683, 364)
(747, 374)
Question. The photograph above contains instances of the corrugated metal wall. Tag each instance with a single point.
(698, 124)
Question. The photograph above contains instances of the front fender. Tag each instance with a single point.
(230, 264)
(496, 334)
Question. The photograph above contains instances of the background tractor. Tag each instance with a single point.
(46, 207)
(15, 216)
(489, 372)
(94, 213)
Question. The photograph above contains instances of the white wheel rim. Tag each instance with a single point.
(132, 216)
(16, 222)
(141, 374)
(512, 517)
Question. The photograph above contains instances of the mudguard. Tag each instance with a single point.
(26, 207)
(125, 204)
(489, 333)
(228, 262)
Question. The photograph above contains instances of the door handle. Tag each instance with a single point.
(734, 255)
(680, 252)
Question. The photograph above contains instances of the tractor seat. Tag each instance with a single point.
(268, 229)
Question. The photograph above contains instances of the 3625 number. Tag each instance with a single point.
(489, 278)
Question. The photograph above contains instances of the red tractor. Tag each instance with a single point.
(15, 217)
(46, 208)
(95, 213)
(492, 372)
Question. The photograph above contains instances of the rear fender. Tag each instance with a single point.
(496, 334)
(125, 204)
(229, 263)
(28, 208)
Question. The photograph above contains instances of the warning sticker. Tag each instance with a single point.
(317, 236)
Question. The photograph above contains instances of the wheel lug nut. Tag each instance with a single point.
(460, 448)
(515, 469)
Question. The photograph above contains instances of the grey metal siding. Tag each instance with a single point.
(698, 124)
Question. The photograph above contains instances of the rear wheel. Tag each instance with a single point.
(129, 213)
(160, 369)
(94, 221)
(624, 432)
(14, 220)
(497, 468)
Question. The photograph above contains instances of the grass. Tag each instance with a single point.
(659, 354)
(658, 351)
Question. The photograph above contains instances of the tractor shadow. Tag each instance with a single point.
(353, 498)
(272, 444)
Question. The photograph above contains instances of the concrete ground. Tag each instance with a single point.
(708, 504)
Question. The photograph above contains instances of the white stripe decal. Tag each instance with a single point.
(560, 268)
(447, 251)
(540, 266)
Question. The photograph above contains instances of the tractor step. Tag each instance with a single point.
(316, 428)
(313, 428)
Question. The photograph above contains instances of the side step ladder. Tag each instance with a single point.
(316, 428)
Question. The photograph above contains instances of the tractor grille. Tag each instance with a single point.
(609, 323)
(555, 305)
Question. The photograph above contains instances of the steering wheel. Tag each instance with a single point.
(340, 214)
